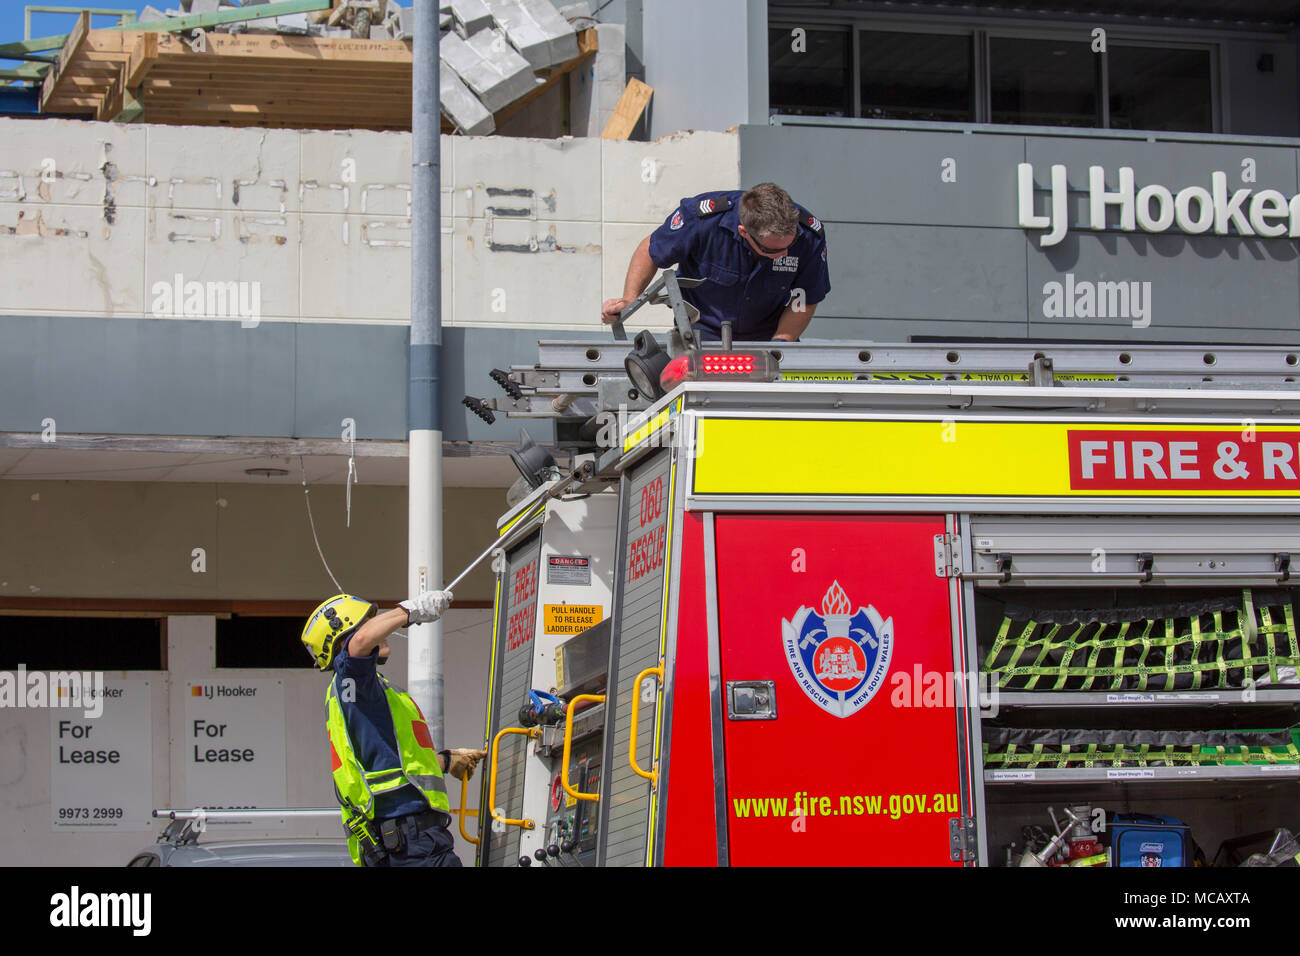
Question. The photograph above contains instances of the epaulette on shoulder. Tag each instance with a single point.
(812, 222)
(712, 205)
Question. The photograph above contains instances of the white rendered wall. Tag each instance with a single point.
(93, 216)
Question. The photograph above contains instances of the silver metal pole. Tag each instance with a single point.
(424, 679)
(239, 816)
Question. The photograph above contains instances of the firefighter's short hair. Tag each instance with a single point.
(768, 210)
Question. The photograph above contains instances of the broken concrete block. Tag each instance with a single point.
(489, 66)
(462, 106)
(470, 16)
(150, 14)
(201, 6)
(536, 30)
(392, 26)
(594, 92)
(294, 23)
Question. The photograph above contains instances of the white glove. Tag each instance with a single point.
(426, 606)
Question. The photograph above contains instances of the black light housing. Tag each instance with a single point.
(645, 363)
(534, 462)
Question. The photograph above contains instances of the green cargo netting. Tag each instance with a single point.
(1201, 645)
(1012, 748)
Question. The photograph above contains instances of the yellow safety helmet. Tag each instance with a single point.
(331, 624)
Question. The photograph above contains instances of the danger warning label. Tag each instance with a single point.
(568, 569)
(572, 618)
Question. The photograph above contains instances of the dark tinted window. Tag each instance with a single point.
(261, 642)
(915, 76)
(81, 643)
(808, 71)
(1042, 82)
(1160, 89)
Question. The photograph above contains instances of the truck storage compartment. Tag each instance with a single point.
(1122, 693)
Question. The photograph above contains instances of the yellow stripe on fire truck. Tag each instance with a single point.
(645, 431)
(951, 457)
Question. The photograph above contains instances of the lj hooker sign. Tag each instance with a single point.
(1194, 209)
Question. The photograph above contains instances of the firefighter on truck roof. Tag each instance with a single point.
(387, 776)
(763, 256)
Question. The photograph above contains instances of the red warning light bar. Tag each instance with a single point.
(719, 366)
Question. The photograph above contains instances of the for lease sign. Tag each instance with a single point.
(101, 767)
(234, 743)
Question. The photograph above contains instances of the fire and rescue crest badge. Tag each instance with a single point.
(839, 657)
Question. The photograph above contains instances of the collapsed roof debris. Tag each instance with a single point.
(174, 63)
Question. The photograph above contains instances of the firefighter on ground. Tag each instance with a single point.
(763, 256)
(387, 775)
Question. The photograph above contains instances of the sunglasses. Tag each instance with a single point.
(764, 249)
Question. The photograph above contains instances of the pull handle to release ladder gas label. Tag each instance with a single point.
(492, 778)
(653, 773)
(568, 747)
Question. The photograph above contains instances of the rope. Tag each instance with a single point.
(307, 498)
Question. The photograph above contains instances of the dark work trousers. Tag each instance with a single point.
(431, 847)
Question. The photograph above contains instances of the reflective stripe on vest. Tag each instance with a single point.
(419, 761)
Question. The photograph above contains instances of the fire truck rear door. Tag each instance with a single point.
(839, 724)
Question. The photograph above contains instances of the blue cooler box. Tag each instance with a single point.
(1149, 839)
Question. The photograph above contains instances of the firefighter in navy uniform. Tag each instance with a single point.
(763, 256)
(387, 776)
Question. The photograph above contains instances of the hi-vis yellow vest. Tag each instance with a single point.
(419, 767)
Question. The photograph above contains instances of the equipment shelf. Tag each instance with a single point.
(1226, 697)
(1142, 774)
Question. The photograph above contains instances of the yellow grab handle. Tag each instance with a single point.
(492, 779)
(464, 796)
(568, 747)
(653, 774)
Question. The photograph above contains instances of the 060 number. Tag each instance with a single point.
(652, 501)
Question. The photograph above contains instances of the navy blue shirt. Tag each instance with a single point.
(749, 290)
(370, 728)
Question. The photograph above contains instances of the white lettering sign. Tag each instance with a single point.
(101, 767)
(233, 744)
(1154, 208)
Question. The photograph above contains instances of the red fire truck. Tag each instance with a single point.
(765, 626)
